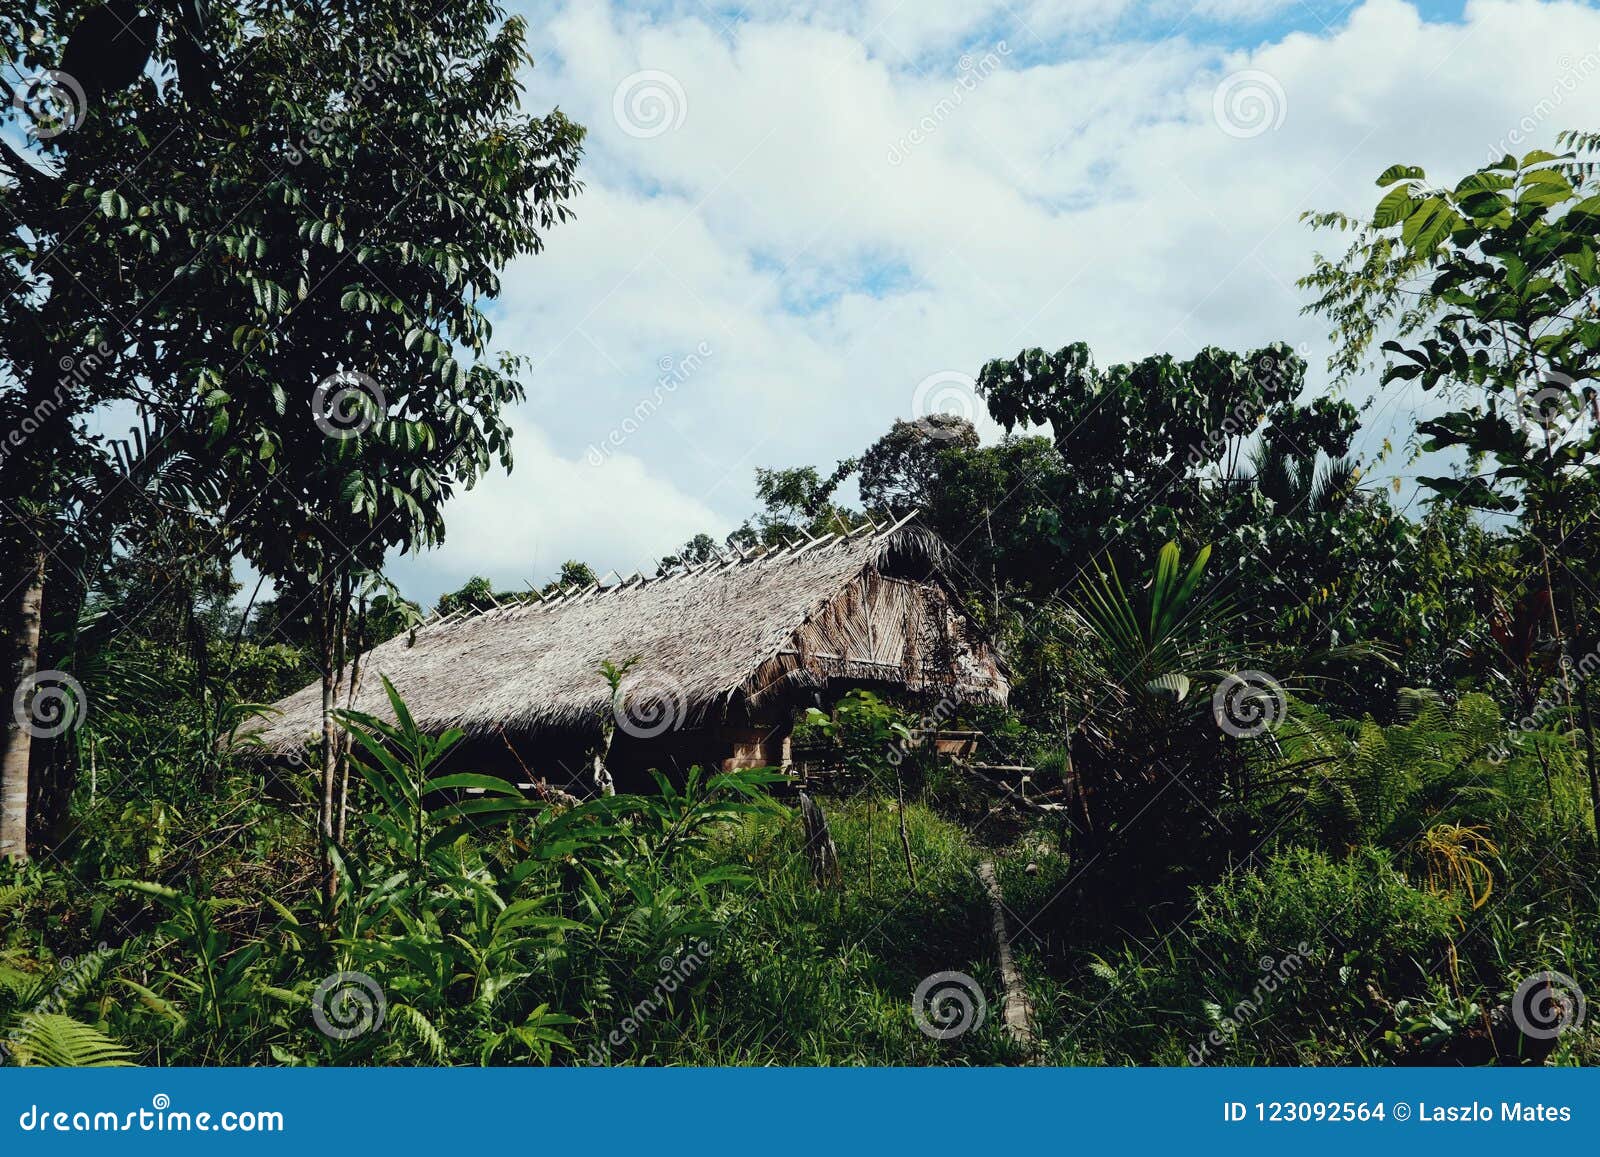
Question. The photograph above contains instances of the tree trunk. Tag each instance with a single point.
(356, 670)
(326, 803)
(44, 412)
(19, 739)
(1589, 755)
(604, 782)
(1016, 1012)
(53, 762)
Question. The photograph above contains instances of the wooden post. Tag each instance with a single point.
(1017, 1009)
(820, 849)
(905, 839)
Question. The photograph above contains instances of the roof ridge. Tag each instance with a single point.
(867, 531)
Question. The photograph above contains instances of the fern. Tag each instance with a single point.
(12, 897)
(1333, 811)
(59, 1041)
(1442, 764)
(422, 1030)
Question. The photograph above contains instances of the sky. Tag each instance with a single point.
(803, 220)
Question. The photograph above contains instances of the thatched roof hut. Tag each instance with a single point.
(724, 653)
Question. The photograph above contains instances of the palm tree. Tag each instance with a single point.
(1179, 710)
(1294, 483)
(151, 474)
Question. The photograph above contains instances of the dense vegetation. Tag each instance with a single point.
(1313, 776)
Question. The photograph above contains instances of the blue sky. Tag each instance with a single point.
(806, 219)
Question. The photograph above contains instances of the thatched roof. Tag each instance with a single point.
(742, 628)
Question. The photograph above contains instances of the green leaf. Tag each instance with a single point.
(1588, 207)
(1394, 208)
(464, 780)
(1174, 684)
(59, 1041)
(1471, 492)
(1400, 173)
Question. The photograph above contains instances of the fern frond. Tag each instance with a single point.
(59, 1041)
(1332, 808)
(422, 1029)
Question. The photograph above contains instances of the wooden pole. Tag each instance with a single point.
(820, 848)
(1017, 1010)
(905, 840)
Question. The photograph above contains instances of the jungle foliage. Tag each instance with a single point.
(1296, 768)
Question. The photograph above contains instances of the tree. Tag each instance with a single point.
(899, 472)
(476, 593)
(1491, 288)
(573, 575)
(796, 502)
(379, 177)
(1144, 443)
(700, 549)
(84, 254)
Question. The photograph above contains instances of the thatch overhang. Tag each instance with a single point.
(747, 633)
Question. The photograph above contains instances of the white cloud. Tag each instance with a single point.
(1244, 11)
(1085, 192)
(520, 527)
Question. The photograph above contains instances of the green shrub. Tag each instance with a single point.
(1294, 962)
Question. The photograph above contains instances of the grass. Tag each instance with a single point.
(805, 976)
(1386, 968)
